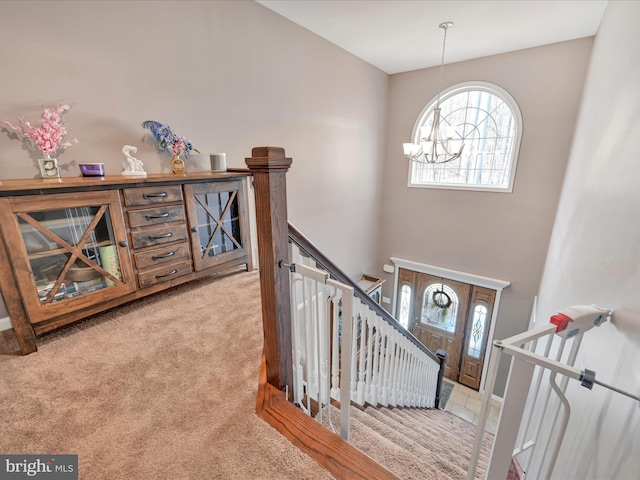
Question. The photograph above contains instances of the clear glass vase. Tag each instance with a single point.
(49, 167)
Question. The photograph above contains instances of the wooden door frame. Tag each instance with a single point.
(492, 283)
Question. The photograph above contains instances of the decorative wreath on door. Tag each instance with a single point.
(440, 298)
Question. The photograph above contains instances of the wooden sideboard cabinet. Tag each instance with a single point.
(72, 247)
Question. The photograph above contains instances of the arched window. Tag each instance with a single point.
(442, 311)
(487, 119)
(405, 306)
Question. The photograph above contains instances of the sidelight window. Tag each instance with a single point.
(479, 323)
(405, 305)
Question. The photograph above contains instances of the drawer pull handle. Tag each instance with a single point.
(166, 255)
(155, 195)
(172, 272)
(156, 237)
(123, 243)
(162, 215)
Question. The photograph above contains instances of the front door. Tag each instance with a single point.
(448, 315)
(439, 314)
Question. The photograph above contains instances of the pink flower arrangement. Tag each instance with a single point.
(49, 137)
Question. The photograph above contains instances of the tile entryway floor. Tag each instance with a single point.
(465, 403)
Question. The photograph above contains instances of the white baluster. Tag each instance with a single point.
(403, 377)
(393, 400)
(375, 374)
(322, 332)
(297, 343)
(335, 348)
(355, 325)
(386, 375)
(347, 354)
(411, 383)
(362, 361)
(369, 355)
(310, 348)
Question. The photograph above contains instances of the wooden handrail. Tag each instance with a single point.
(312, 251)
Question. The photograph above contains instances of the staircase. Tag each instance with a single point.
(415, 443)
(326, 341)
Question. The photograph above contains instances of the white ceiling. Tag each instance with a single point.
(403, 35)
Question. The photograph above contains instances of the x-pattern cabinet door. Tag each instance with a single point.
(68, 251)
(217, 221)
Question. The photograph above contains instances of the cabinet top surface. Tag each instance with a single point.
(28, 186)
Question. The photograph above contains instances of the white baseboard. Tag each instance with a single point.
(5, 324)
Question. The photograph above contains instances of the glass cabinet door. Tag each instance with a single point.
(74, 246)
(216, 216)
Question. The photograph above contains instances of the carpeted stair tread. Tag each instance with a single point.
(438, 440)
(399, 436)
(451, 424)
(433, 420)
(372, 437)
(394, 457)
(448, 424)
(414, 428)
(449, 438)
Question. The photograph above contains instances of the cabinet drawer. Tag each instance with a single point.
(154, 216)
(147, 237)
(152, 195)
(164, 273)
(159, 255)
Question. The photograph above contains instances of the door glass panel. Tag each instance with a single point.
(72, 251)
(440, 307)
(479, 322)
(405, 304)
(218, 223)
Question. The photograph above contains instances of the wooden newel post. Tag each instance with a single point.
(269, 167)
(442, 355)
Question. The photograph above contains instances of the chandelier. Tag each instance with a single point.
(436, 144)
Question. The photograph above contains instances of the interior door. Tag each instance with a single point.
(477, 331)
(439, 317)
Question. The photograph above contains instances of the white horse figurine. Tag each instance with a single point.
(131, 165)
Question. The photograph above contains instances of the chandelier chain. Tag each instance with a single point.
(435, 145)
(444, 43)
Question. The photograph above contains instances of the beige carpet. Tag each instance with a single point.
(163, 388)
(416, 444)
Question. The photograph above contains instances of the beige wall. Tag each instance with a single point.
(497, 235)
(228, 75)
(594, 254)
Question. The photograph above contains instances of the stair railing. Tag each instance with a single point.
(394, 368)
(322, 341)
(387, 368)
